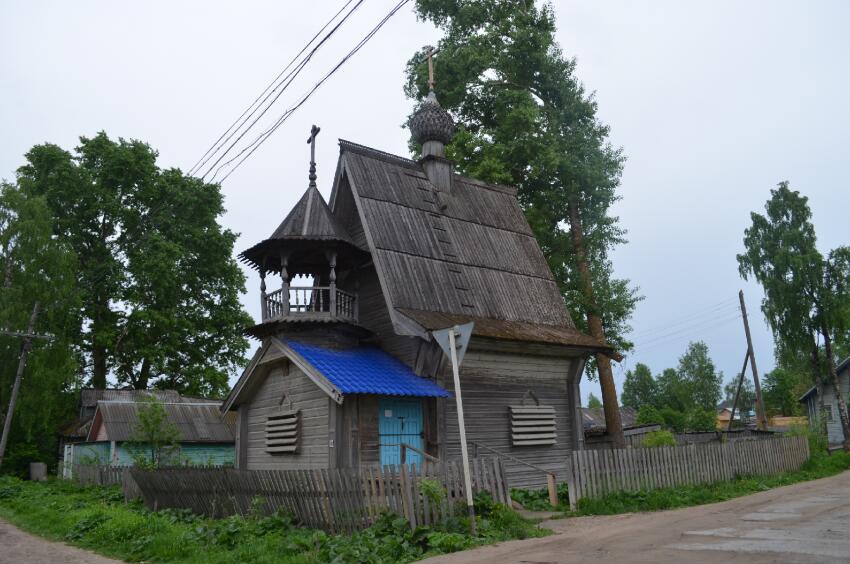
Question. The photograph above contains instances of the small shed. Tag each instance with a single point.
(829, 406)
(205, 439)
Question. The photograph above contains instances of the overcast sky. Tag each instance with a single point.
(712, 102)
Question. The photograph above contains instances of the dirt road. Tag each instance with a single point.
(20, 547)
(803, 523)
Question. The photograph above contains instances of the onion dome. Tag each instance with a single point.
(431, 122)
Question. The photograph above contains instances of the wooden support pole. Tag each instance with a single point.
(760, 414)
(467, 481)
(738, 390)
(26, 345)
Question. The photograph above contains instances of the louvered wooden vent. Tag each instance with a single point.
(282, 433)
(532, 425)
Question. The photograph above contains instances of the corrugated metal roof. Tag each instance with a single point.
(367, 370)
(197, 422)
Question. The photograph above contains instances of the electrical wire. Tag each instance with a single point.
(643, 347)
(290, 78)
(271, 88)
(254, 145)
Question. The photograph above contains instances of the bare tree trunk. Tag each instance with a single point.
(98, 349)
(816, 368)
(613, 423)
(141, 383)
(833, 377)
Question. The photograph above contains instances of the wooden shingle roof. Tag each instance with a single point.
(309, 221)
(467, 254)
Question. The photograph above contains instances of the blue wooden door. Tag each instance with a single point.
(400, 421)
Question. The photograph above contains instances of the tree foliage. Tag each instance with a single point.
(696, 370)
(639, 388)
(781, 389)
(807, 294)
(36, 267)
(746, 398)
(525, 120)
(593, 401)
(159, 287)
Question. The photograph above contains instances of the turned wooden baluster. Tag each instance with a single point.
(332, 279)
(284, 277)
(264, 306)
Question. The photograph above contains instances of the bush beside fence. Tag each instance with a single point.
(595, 473)
(336, 500)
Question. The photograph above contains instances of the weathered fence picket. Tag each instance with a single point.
(336, 500)
(595, 473)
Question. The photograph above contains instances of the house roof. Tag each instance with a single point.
(197, 422)
(90, 396)
(468, 253)
(367, 370)
(594, 417)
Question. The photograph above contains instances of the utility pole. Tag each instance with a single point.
(760, 414)
(26, 346)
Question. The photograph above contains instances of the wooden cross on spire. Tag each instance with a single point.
(312, 141)
(429, 55)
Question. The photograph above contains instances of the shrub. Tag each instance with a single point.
(818, 442)
(673, 419)
(658, 439)
(701, 420)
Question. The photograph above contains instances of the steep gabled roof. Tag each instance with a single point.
(465, 254)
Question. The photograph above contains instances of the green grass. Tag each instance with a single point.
(819, 465)
(96, 518)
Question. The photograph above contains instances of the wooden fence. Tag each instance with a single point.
(336, 500)
(594, 473)
(91, 474)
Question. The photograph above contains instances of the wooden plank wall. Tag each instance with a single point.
(300, 393)
(595, 473)
(491, 382)
(336, 500)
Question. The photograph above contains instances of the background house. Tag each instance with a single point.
(205, 438)
(78, 430)
(810, 399)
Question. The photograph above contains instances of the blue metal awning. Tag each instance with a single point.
(367, 370)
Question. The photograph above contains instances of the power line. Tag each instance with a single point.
(649, 345)
(273, 85)
(685, 320)
(288, 81)
(691, 329)
(254, 145)
(711, 310)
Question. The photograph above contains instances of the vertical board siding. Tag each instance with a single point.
(286, 387)
(336, 500)
(595, 473)
(491, 382)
